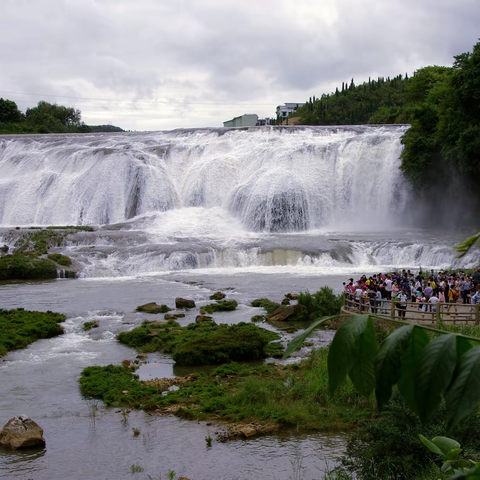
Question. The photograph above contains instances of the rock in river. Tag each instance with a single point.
(21, 432)
(184, 303)
(283, 313)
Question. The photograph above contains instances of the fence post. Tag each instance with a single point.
(437, 316)
(392, 313)
(477, 313)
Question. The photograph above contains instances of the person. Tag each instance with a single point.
(433, 301)
(388, 287)
(372, 295)
(428, 292)
(402, 303)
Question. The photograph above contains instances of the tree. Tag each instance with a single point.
(9, 111)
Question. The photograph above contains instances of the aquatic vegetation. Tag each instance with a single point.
(217, 296)
(60, 259)
(221, 306)
(293, 396)
(19, 328)
(153, 308)
(89, 325)
(205, 342)
(25, 267)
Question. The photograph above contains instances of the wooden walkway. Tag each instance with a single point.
(422, 313)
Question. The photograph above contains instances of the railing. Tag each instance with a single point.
(413, 311)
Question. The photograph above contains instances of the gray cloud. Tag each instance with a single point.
(160, 61)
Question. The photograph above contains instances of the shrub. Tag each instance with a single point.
(221, 306)
(324, 303)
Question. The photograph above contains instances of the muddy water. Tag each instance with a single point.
(86, 440)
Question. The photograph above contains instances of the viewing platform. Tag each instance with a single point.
(415, 312)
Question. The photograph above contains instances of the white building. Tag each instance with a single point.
(283, 111)
(247, 120)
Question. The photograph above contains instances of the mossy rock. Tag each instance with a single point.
(89, 325)
(258, 318)
(265, 303)
(202, 343)
(60, 259)
(153, 308)
(217, 296)
(26, 267)
(221, 306)
(184, 303)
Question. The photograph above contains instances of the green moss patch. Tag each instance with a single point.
(265, 303)
(60, 259)
(19, 328)
(26, 267)
(89, 325)
(221, 306)
(293, 396)
(217, 296)
(204, 343)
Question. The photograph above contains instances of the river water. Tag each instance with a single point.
(258, 212)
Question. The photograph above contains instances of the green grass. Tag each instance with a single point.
(295, 396)
(19, 328)
(221, 306)
(205, 342)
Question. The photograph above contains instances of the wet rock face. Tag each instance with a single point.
(21, 432)
(283, 313)
(184, 303)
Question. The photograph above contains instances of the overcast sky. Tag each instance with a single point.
(161, 64)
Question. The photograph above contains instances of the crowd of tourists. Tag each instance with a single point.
(425, 288)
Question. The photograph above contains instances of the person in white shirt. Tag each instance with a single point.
(389, 287)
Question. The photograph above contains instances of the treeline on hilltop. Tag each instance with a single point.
(442, 105)
(45, 118)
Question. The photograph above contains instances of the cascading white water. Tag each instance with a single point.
(271, 179)
(222, 198)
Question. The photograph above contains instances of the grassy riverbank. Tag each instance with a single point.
(19, 328)
(291, 396)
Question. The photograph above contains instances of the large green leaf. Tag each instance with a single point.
(388, 362)
(342, 353)
(416, 343)
(472, 474)
(445, 444)
(430, 445)
(464, 395)
(433, 374)
(362, 372)
(300, 338)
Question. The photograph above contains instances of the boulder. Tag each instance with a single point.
(217, 296)
(283, 313)
(173, 316)
(203, 318)
(184, 303)
(152, 307)
(21, 432)
(286, 301)
(292, 296)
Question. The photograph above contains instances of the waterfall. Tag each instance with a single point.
(267, 179)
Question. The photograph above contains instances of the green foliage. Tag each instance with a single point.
(60, 259)
(45, 118)
(266, 304)
(294, 396)
(442, 105)
(22, 267)
(323, 303)
(221, 306)
(89, 325)
(389, 447)
(19, 328)
(205, 342)
(425, 368)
